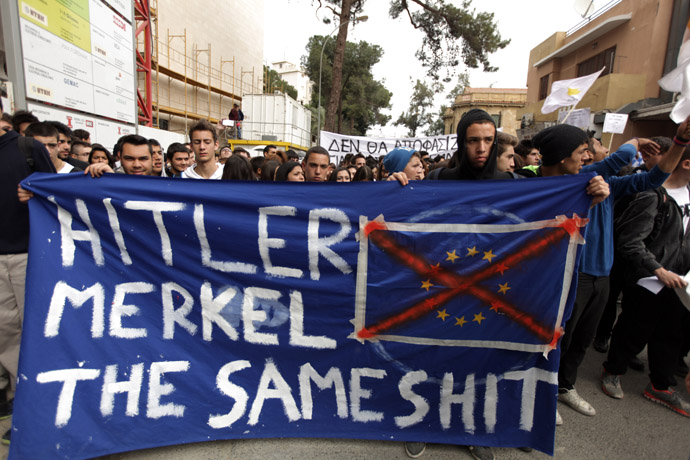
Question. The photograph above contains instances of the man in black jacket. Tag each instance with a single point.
(655, 245)
(21, 157)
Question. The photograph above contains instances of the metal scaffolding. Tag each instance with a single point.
(193, 88)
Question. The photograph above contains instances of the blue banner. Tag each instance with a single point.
(164, 312)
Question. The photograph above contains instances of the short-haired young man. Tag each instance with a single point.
(270, 150)
(315, 164)
(80, 150)
(21, 120)
(82, 135)
(177, 158)
(46, 134)
(530, 155)
(136, 158)
(241, 152)
(65, 144)
(224, 153)
(6, 122)
(358, 161)
(506, 152)
(654, 243)
(204, 140)
(157, 156)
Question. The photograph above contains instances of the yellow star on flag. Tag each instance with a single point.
(494, 307)
(489, 255)
(460, 321)
(426, 284)
(435, 268)
(472, 251)
(573, 91)
(502, 288)
(442, 314)
(479, 318)
(452, 256)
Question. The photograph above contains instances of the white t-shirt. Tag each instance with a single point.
(66, 168)
(190, 173)
(682, 197)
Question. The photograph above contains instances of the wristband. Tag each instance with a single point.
(680, 141)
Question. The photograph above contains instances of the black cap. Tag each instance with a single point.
(558, 142)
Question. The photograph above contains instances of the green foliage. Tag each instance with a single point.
(437, 126)
(274, 82)
(363, 98)
(463, 82)
(450, 33)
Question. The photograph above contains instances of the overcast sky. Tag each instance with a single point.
(289, 24)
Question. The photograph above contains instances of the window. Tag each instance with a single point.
(543, 87)
(497, 119)
(593, 64)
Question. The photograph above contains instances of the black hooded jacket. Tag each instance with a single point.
(460, 167)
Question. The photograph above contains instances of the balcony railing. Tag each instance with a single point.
(592, 17)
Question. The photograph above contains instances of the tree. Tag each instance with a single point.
(273, 81)
(450, 32)
(419, 114)
(363, 98)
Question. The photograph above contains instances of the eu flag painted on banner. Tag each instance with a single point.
(162, 312)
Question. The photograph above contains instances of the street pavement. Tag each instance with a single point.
(631, 428)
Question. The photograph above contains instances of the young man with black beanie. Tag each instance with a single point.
(554, 143)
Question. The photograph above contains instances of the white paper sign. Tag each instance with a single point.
(579, 118)
(339, 145)
(615, 123)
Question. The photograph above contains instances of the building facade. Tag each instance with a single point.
(297, 77)
(502, 103)
(636, 42)
(206, 55)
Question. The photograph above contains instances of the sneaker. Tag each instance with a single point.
(559, 419)
(601, 345)
(574, 400)
(669, 398)
(415, 449)
(6, 437)
(636, 364)
(611, 385)
(482, 453)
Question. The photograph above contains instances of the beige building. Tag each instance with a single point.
(636, 41)
(296, 76)
(502, 103)
(206, 55)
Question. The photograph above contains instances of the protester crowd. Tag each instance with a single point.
(636, 250)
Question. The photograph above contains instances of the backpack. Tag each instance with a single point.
(663, 208)
(25, 145)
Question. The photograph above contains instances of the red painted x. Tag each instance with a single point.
(378, 234)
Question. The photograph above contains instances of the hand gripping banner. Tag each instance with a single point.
(164, 312)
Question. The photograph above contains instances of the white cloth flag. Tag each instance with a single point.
(678, 80)
(565, 93)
